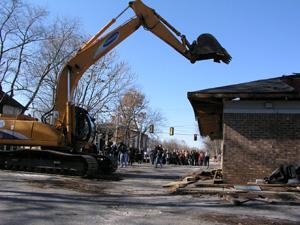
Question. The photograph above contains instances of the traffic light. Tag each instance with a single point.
(171, 131)
(195, 137)
(151, 128)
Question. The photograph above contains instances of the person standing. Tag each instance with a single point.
(206, 159)
(201, 158)
(219, 157)
(153, 155)
(123, 154)
(159, 155)
(168, 156)
(132, 155)
(196, 158)
(115, 152)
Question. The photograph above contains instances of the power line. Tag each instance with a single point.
(195, 125)
(177, 133)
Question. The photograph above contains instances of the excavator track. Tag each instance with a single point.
(49, 161)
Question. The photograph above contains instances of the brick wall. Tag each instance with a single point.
(257, 143)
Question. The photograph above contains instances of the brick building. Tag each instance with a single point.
(259, 123)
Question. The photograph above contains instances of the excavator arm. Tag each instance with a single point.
(206, 47)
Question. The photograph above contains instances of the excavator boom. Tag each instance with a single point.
(206, 47)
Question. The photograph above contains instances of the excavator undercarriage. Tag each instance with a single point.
(78, 159)
(49, 161)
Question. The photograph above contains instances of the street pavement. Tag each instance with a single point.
(133, 195)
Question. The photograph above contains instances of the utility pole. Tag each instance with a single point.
(117, 126)
(140, 140)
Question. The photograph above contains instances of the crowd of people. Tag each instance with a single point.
(125, 155)
(158, 156)
(179, 157)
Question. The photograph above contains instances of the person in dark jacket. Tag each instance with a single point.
(159, 156)
(132, 155)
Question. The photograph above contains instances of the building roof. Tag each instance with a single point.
(208, 103)
(7, 100)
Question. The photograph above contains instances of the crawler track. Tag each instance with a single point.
(49, 161)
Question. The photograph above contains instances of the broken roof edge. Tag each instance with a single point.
(245, 95)
(282, 84)
(5, 99)
(214, 132)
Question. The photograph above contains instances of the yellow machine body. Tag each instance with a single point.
(27, 131)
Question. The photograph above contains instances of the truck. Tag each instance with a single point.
(59, 146)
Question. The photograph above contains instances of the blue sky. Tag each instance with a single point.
(262, 37)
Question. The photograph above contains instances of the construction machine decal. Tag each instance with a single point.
(7, 134)
(106, 43)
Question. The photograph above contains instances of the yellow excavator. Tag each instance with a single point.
(60, 144)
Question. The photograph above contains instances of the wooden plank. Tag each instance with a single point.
(182, 183)
(202, 184)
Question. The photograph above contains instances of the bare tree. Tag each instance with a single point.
(213, 146)
(63, 39)
(131, 105)
(134, 114)
(20, 31)
(99, 89)
(32, 53)
(176, 145)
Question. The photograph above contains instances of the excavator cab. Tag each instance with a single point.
(85, 130)
(207, 47)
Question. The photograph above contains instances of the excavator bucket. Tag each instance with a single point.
(207, 47)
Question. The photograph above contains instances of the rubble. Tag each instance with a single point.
(204, 183)
(284, 174)
(214, 175)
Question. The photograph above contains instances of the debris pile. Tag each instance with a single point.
(285, 174)
(205, 177)
(210, 182)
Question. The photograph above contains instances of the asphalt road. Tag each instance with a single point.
(133, 195)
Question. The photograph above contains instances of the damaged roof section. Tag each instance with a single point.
(208, 103)
(7, 100)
